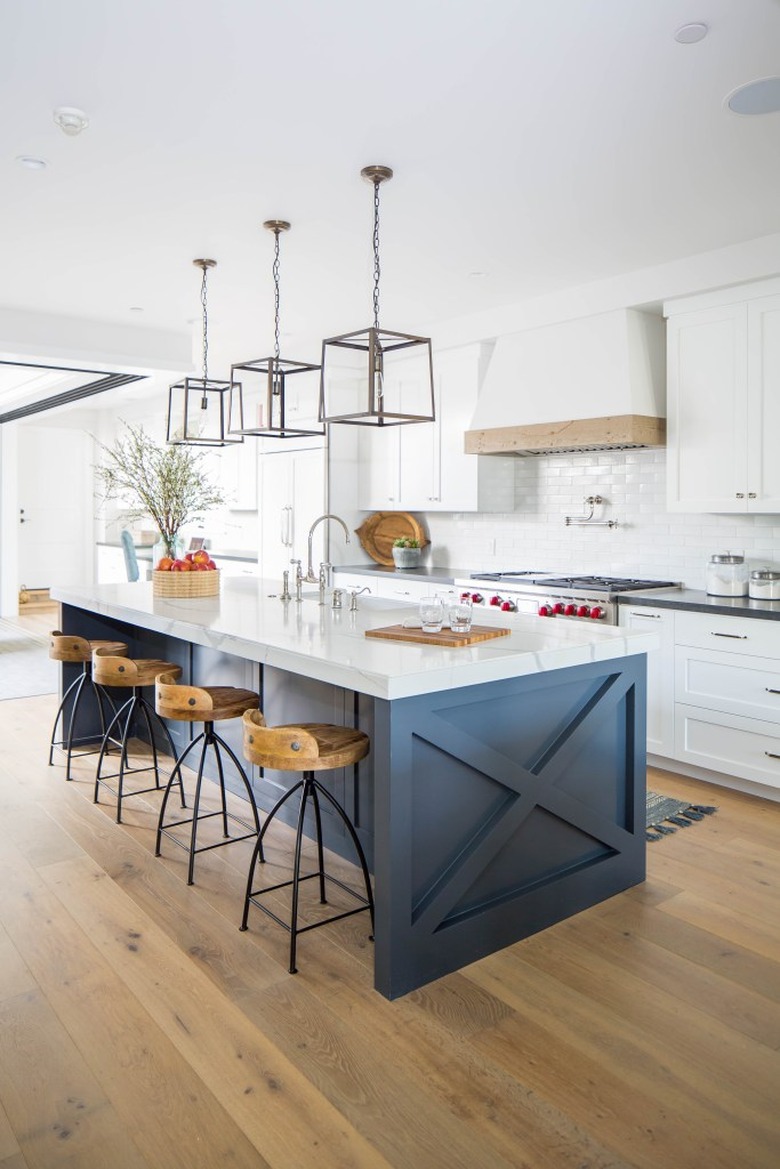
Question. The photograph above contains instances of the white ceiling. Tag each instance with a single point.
(537, 144)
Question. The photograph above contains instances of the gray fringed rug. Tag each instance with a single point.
(665, 815)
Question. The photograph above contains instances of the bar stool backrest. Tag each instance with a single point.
(286, 748)
(66, 647)
(110, 670)
(185, 703)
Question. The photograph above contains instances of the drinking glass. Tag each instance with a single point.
(431, 614)
(460, 614)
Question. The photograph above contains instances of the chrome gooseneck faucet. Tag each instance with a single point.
(310, 578)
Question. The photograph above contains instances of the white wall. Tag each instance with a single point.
(648, 542)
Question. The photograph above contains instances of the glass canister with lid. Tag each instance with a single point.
(727, 575)
(764, 584)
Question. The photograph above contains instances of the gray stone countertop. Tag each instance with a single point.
(699, 602)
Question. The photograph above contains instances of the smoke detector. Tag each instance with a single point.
(70, 120)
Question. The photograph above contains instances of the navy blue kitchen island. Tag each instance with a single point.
(505, 787)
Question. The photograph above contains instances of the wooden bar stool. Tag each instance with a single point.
(308, 747)
(206, 704)
(66, 647)
(133, 674)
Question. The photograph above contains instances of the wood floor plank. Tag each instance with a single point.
(260, 1089)
(15, 976)
(9, 1146)
(695, 985)
(761, 935)
(58, 1111)
(139, 1069)
(512, 1121)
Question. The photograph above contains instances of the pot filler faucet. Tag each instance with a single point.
(310, 578)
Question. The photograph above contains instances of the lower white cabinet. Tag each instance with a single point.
(660, 674)
(388, 587)
(727, 692)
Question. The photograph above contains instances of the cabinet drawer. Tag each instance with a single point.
(743, 635)
(731, 682)
(724, 742)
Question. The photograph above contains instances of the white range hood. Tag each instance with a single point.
(595, 383)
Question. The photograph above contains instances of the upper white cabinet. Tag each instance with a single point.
(423, 466)
(723, 402)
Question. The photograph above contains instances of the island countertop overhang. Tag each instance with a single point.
(248, 620)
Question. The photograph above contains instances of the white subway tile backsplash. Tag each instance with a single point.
(649, 541)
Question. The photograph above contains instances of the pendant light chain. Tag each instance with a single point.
(377, 270)
(275, 271)
(204, 302)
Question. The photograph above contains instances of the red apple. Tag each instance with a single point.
(164, 564)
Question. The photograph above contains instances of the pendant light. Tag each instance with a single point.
(279, 395)
(199, 407)
(376, 377)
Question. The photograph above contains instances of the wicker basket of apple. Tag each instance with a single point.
(196, 575)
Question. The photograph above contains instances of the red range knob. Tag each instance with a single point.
(477, 598)
(495, 601)
(583, 611)
(544, 611)
(508, 607)
(570, 610)
(559, 607)
(597, 612)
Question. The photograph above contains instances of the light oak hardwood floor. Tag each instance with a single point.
(139, 1028)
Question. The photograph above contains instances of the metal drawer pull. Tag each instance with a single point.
(647, 616)
(772, 755)
(734, 636)
(769, 690)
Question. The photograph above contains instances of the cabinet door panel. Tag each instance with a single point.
(707, 368)
(660, 674)
(735, 683)
(722, 742)
(763, 464)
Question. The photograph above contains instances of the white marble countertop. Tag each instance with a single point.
(249, 621)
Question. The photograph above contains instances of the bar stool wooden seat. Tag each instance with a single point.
(206, 704)
(307, 748)
(67, 647)
(133, 674)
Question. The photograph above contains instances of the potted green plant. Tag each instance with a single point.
(166, 482)
(406, 552)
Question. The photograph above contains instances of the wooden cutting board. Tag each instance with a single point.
(380, 530)
(446, 637)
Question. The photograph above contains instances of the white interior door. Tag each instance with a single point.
(55, 505)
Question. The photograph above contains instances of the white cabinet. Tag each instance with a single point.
(660, 673)
(292, 496)
(723, 402)
(390, 587)
(727, 690)
(423, 466)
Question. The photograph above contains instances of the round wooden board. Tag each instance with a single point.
(378, 533)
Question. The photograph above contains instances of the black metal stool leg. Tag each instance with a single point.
(174, 777)
(258, 854)
(318, 833)
(107, 739)
(296, 881)
(196, 809)
(358, 846)
(74, 690)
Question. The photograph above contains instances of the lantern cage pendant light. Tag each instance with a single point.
(280, 396)
(376, 377)
(199, 408)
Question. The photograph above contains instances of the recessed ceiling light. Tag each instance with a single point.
(689, 34)
(70, 120)
(757, 97)
(31, 163)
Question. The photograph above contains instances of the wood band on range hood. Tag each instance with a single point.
(621, 432)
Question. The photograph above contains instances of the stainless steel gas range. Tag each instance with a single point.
(589, 598)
